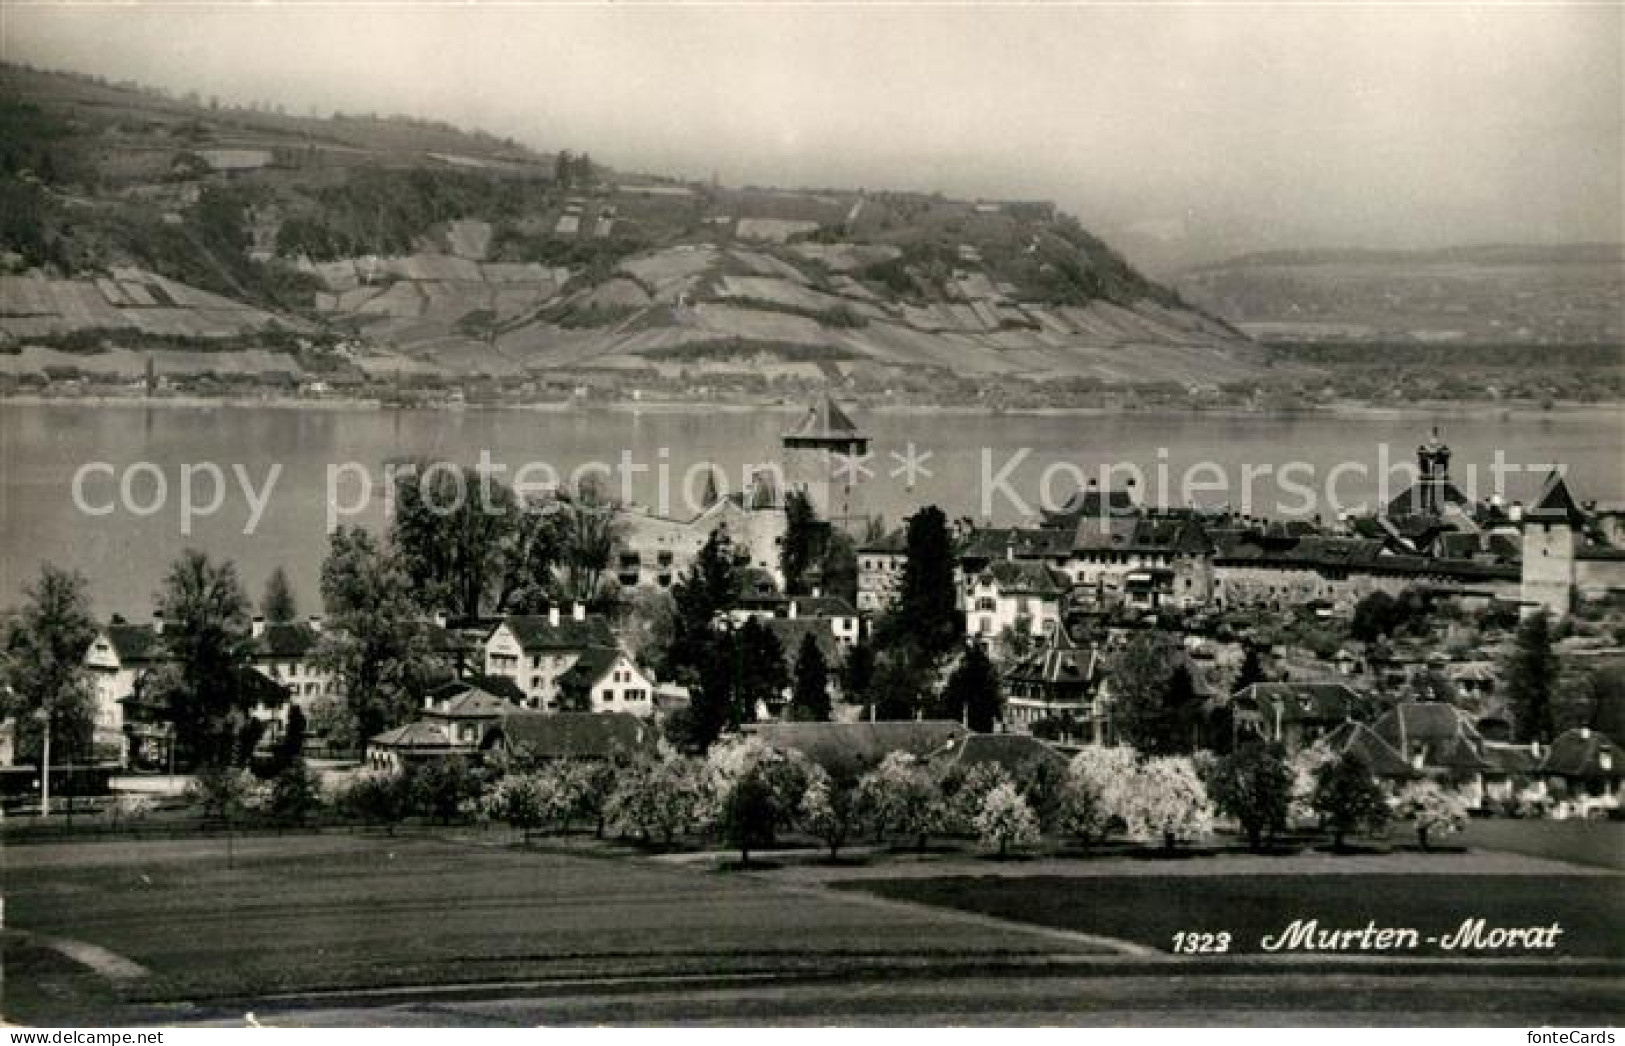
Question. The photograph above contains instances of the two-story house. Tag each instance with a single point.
(1022, 595)
(606, 679)
(536, 650)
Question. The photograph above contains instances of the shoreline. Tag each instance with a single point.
(1518, 411)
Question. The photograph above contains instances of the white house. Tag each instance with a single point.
(536, 650)
(1017, 594)
(605, 679)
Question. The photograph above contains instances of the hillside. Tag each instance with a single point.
(1562, 295)
(132, 220)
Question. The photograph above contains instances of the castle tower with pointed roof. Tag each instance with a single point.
(1551, 537)
(823, 456)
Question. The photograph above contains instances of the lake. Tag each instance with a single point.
(284, 472)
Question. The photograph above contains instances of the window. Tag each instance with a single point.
(535, 682)
(609, 696)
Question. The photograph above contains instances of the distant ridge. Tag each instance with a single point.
(429, 248)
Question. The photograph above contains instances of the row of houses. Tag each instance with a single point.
(564, 660)
(1102, 550)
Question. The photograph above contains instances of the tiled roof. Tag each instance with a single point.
(1445, 735)
(1555, 501)
(855, 748)
(823, 606)
(286, 639)
(136, 643)
(1578, 753)
(895, 542)
(1302, 702)
(1060, 661)
(1025, 577)
(1019, 754)
(589, 668)
(579, 735)
(1380, 756)
(470, 702)
(419, 736)
(990, 543)
(536, 633)
(1509, 759)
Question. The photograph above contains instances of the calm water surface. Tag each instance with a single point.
(124, 554)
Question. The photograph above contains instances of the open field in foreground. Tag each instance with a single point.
(363, 929)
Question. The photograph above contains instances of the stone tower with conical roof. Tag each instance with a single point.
(824, 456)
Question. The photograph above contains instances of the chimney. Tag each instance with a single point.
(1585, 733)
(428, 703)
(793, 609)
(1515, 513)
(257, 627)
(315, 622)
(440, 618)
(578, 611)
(158, 622)
(553, 616)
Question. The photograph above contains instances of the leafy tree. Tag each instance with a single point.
(755, 789)
(377, 798)
(902, 683)
(810, 700)
(1006, 820)
(1167, 802)
(760, 675)
(830, 809)
(1253, 785)
(838, 566)
(1347, 797)
(517, 799)
(973, 691)
(699, 654)
(1251, 671)
(1375, 616)
(858, 671)
(442, 789)
(294, 792)
(207, 638)
(1433, 809)
(43, 667)
(964, 793)
(1094, 798)
(662, 795)
(802, 540)
(588, 533)
(453, 528)
(902, 794)
(291, 745)
(927, 608)
(1141, 676)
(375, 646)
(221, 791)
(1530, 675)
(278, 604)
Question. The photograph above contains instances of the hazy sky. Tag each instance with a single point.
(1179, 132)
